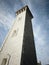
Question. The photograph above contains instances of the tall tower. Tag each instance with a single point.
(19, 47)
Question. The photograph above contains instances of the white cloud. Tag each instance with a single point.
(40, 35)
(6, 20)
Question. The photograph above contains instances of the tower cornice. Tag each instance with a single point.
(23, 9)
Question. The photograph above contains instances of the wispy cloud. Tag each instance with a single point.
(41, 39)
(6, 18)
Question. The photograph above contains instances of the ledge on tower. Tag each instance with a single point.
(23, 9)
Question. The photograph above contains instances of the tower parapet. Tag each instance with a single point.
(23, 9)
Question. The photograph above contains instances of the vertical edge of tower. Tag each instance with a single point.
(28, 56)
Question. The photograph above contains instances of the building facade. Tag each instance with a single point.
(18, 47)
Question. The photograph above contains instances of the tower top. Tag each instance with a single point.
(23, 9)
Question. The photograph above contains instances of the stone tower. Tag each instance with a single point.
(18, 47)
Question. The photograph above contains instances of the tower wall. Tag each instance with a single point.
(18, 47)
(28, 48)
(13, 44)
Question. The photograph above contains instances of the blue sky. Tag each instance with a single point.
(40, 22)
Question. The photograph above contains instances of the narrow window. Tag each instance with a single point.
(4, 61)
(14, 34)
